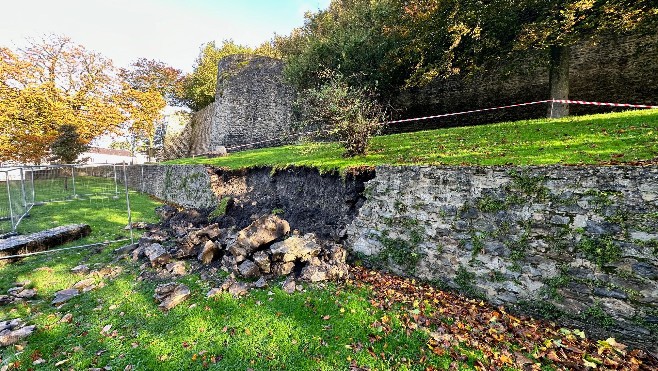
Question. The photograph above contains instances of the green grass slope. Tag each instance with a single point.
(593, 139)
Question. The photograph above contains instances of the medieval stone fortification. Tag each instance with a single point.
(252, 104)
(619, 69)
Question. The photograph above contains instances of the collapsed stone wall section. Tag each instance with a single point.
(578, 244)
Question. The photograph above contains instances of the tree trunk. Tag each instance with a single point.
(558, 80)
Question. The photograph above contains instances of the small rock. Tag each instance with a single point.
(229, 264)
(646, 270)
(208, 252)
(67, 318)
(26, 294)
(81, 285)
(295, 248)
(11, 332)
(262, 259)
(171, 294)
(289, 285)
(63, 296)
(138, 253)
(6, 299)
(261, 283)
(157, 255)
(338, 271)
(249, 269)
(262, 231)
(282, 269)
(80, 269)
(315, 261)
(124, 249)
(177, 268)
(598, 291)
(214, 292)
(238, 252)
(238, 289)
(14, 290)
(313, 273)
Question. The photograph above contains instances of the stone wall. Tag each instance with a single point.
(620, 69)
(184, 185)
(252, 104)
(578, 244)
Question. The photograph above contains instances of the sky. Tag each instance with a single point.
(171, 31)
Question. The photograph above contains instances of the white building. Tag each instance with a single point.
(97, 155)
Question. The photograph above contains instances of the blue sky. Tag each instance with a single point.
(168, 30)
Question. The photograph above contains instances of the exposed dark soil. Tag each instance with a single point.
(311, 202)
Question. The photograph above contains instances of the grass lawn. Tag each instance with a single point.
(619, 137)
(99, 194)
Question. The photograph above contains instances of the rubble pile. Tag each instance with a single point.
(264, 250)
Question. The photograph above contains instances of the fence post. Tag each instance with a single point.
(11, 210)
(142, 178)
(33, 190)
(23, 190)
(75, 195)
(130, 220)
(116, 186)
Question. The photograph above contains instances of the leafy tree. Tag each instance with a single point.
(471, 36)
(397, 44)
(349, 114)
(353, 38)
(149, 74)
(144, 109)
(68, 146)
(560, 24)
(51, 83)
(200, 84)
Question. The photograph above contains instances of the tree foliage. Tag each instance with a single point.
(152, 75)
(54, 86)
(67, 146)
(350, 115)
(397, 44)
(352, 37)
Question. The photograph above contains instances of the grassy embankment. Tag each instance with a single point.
(615, 137)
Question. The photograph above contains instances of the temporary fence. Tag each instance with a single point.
(24, 187)
(15, 200)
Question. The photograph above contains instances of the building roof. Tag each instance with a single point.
(109, 151)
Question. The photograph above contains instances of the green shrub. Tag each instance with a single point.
(350, 115)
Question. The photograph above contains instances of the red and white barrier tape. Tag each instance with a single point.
(563, 101)
(602, 104)
(466, 112)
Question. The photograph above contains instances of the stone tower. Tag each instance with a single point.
(252, 104)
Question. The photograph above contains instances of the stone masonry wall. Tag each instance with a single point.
(577, 244)
(621, 69)
(252, 104)
(184, 185)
